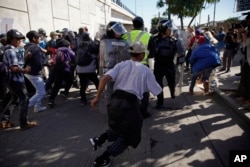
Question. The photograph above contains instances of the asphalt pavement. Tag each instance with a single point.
(192, 131)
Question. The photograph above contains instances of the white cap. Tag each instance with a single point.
(137, 47)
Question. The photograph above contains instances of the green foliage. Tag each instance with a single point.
(184, 8)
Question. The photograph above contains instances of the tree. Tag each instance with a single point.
(184, 8)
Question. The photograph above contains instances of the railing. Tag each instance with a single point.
(118, 2)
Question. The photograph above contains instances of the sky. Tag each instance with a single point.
(147, 10)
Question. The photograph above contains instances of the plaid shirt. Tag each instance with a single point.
(14, 57)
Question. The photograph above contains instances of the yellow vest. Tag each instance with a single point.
(143, 39)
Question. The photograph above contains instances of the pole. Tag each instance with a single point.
(200, 18)
(135, 6)
(214, 14)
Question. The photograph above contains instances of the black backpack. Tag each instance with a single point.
(83, 54)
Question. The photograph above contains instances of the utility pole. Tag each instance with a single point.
(135, 7)
(214, 14)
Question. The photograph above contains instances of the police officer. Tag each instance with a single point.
(113, 50)
(135, 35)
(162, 47)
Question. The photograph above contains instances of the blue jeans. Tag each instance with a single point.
(205, 73)
(38, 84)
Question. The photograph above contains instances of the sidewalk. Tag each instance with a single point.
(227, 86)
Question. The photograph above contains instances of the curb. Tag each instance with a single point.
(234, 106)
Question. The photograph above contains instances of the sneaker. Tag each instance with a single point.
(64, 93)
(39, 109)
(28, 125)
(228, 70)
(93, 143)
(102, 163)
(51, 104)
(222, 69)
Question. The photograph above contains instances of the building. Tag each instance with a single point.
(52, 15)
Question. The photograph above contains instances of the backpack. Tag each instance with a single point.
(60, 64)
(83, 54)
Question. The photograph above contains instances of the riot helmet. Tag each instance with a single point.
(138, 22)
(164, 24)
(114, 29)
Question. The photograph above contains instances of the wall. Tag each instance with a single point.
(52, 15)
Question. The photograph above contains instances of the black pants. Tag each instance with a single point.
(124, 117)
(169, 73)
(60, 77)
(84, 80)
(18, 90)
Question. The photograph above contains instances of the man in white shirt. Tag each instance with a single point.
(132, 79)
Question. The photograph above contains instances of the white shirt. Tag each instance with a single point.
(135, 78)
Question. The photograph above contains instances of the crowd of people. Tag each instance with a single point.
(118, 66)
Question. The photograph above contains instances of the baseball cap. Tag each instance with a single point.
(53, 33)
(32, 34)
(137, 47)
(13, 33)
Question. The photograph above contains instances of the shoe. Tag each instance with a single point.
(28, 125)
(51, 104)
(222, 69)
(228, 70)
(64, 93)
(88, 90)
(94, 143)
(39, 109)
(102, 163)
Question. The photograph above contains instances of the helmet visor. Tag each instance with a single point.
(118, 29)
(168, 24)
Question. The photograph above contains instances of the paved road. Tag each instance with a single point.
(192, 131)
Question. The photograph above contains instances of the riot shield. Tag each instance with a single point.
(112, 51)
(179, 68)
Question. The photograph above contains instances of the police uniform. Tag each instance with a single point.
(163, 50)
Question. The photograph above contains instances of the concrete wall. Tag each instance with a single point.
(52, 15)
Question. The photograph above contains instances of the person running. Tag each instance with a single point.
(17, 87)
(131, 79)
